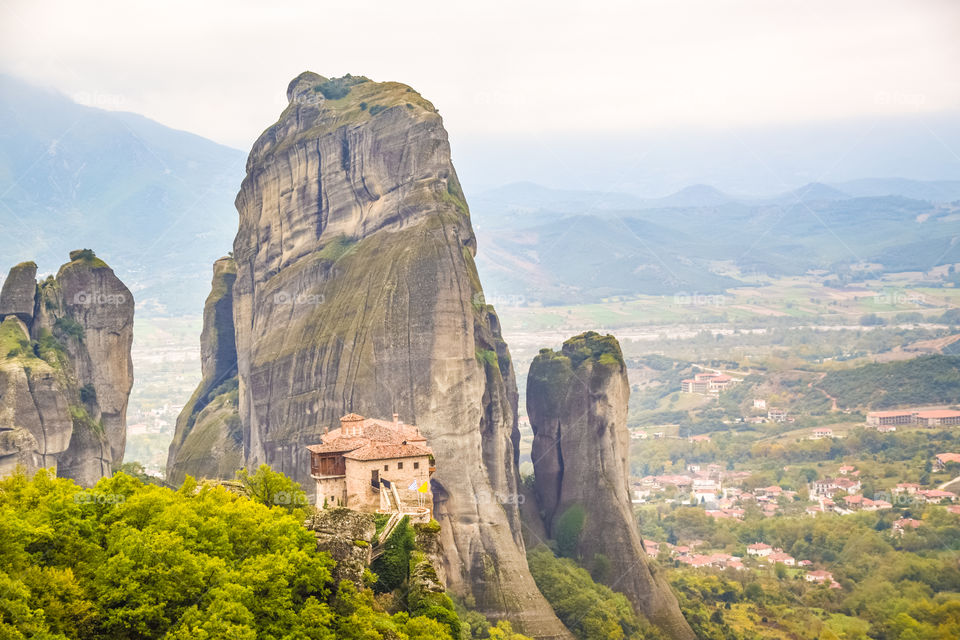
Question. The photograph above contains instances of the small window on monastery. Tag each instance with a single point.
(386, 467)
(416, 465)
(399, 466)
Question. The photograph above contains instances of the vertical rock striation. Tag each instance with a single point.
(19, 292)
(577, 403)
(356, 291)
(208, 441)
(65, 369)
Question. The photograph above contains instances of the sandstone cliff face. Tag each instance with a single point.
(356, 291)
(338, 532)
(35, 421)
(577, 403)
(208, 440)
(19, 291)
(65, 369)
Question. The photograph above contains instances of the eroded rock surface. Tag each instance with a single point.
(19, 291)
(347, 536)
(208, 440)
(66, 370)
(577, 403)
(356, 291)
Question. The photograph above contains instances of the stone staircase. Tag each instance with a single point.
(393, 499)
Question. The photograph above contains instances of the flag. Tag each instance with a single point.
(424, 487)
(413, 486)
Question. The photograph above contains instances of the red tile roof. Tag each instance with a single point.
(938, 413)
(386, 451)
(338, 445)
(376, 440)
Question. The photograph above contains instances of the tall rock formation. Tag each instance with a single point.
(356, 291)
(18, 295)
(65, 369)
(208, 441)
(577, 403)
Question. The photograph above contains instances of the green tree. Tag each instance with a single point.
(272, 488)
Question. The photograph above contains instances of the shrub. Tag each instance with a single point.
(337, 88)
(393, 566)
(87, 255)
(568, 529)
(588, 609)
(67, 326)
(272, 488)
(88, 393)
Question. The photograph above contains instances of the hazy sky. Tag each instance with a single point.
(219, 68)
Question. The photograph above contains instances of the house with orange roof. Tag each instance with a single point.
(784, 558)
(943, 459)
(907, 487)
(937, 418)
(819, 577)
(936, 496)
(708, 383)
(905, 524)
(759, 549)
(374, 465)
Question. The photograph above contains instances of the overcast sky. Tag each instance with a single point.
(220, 68)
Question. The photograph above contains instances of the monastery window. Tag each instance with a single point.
(386, 467)
(399, 466)
(416, 465)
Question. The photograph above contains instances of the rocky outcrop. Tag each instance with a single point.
(66, 371)
(19, 292)
(356, 291)
(94, 298)
(348, 537)
(208, 441)
(577, 403)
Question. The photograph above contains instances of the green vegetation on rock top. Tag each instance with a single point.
(83, 257)
(591, 345)
(349, 100)
(336, 88)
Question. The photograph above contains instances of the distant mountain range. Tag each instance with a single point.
(157, 204)
(576, 247)
(528, 197)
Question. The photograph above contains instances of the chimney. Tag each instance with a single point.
(396, 420)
